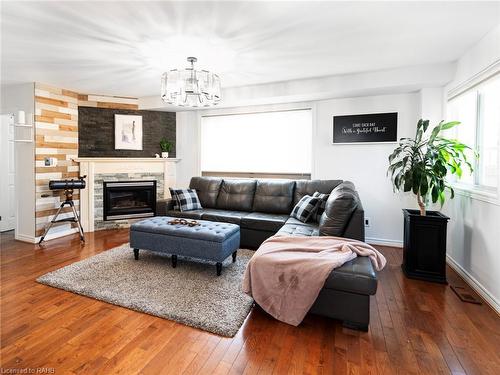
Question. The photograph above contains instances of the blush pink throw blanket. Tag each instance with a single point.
(286, 274)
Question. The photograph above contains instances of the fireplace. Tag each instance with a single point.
(128, 199)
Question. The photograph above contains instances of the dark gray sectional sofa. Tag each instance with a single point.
(262, 208)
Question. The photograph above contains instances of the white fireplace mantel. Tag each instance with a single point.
(122, 160)
(91, 166)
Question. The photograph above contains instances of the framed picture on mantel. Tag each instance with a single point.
(366, 128)
(128, 132)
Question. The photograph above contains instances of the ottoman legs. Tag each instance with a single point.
(218, 267)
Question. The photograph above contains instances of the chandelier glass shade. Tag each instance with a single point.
(190, 87)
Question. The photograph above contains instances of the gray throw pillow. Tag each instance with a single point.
(339, 208)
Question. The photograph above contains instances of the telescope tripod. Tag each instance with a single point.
(75, 219)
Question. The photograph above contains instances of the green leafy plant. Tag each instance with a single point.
(421, 164)
(166, 145)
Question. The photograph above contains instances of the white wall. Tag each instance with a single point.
(13, 99)
(187, 147)
(366, 164)
(474, 227)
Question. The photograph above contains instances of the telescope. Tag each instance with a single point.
(68, 186)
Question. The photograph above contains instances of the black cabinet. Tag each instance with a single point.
(424, 253)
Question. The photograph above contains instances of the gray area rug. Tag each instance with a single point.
(191, 294)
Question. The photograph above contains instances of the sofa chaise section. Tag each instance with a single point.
(262, 209)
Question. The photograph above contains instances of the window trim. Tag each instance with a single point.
(475, 190)
(485, 194)
(258, 175)
(478, 78)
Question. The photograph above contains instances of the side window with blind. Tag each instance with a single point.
(267, 144)
(478, 109)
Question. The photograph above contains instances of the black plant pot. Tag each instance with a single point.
(424, 255)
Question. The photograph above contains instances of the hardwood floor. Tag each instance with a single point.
(416, 328)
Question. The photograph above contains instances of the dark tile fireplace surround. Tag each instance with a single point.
(129, 199)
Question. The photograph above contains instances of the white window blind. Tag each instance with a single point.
(268, 142)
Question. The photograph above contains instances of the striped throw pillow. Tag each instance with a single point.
(305, 208)
(322, 204)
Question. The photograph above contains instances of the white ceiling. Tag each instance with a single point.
(121, 48)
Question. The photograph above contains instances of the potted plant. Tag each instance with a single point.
(166, 147)
(420, 165)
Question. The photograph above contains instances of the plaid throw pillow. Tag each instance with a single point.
(321, 206)
(305, 208)
(187, 199)
(174, 198)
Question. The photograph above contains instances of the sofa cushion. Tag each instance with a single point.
(309, 187)
(339, 208)
(195, 214)
(236, 195)
(298, 230)
(263, 221)
(207, 189)
(355, 276)
(225, 216)
(294, 221)
(274, 197)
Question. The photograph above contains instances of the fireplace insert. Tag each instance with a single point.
(129, 199)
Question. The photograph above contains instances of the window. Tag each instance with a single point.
(478, 109)
(269, 143)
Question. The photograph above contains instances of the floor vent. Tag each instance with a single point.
(465, 295)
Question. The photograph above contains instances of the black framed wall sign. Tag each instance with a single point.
(366, 128)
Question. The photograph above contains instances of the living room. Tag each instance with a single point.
(236, 187)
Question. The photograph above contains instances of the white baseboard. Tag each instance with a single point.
(24, 238)
(474, 284)
(383, 242)
(54, 235)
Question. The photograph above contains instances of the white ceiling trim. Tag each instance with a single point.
(390, 81)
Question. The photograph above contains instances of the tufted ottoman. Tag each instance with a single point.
(213, 241)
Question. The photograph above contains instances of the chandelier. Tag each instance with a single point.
(190, 87)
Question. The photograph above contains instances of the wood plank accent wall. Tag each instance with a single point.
(56, 135)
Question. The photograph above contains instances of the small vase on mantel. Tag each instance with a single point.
(165, 147)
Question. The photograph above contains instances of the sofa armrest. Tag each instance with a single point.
(356, 227)
(163, 206)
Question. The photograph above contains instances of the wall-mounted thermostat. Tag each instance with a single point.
(50, 162)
